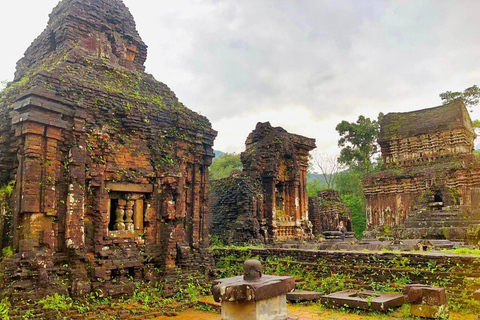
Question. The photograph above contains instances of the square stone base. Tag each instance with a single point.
(432, 312)
(270, 309)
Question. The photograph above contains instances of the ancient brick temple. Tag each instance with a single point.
(429, 186)
(326, 210)
(110, 170)
(275, 203)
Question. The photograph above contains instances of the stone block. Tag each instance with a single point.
(426, 311)
(33, 128)
(101, 273)
(130, 187)
(303, 296)
(366, 300)
(269, 309)
(54, 133)
(425, 295)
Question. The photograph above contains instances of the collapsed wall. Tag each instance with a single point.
(110, 170)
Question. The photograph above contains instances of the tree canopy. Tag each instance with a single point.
(359, 142)
(223, 165)
(470, 96)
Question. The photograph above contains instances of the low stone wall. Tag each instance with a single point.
(389, 271)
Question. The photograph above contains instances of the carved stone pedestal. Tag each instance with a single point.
(269, 309)
(253, 296)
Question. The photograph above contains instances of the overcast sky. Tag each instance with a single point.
(302, 65)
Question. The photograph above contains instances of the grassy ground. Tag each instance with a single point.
(314, 311)
(146, 304)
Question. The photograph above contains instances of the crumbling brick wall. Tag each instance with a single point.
(110, 169)
(237, 207)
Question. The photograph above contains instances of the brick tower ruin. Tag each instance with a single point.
(110, 170)
(272, 203)
(429, 186)
(326, 210)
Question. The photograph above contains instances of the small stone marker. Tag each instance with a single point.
(303, 296)
(253, 296)
(366, 300)
(426, 301)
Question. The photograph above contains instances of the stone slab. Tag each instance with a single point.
(237, 289)
(130, 187)
(302, 296)
(365, 300)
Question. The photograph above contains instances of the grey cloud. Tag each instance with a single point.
(338, 58)
(321, 54)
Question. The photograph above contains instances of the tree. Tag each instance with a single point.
(350, 182)
(356, 204)
(359, 142)
(470, 96)
(223, 165)
(3, 84)
(329, 166)
(314, 186)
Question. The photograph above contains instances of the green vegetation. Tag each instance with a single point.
(358, 142)
(57, 302)
(469, 251)
(7, 252)
(314, 186)
(359, 145)
(356, 205)
(217, 243)
(350, 182)
(4, 309)
(349, 185)
(3, 84)
(146, 298)
(223, 166)
(470, 96)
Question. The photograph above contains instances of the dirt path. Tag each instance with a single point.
(302, 312)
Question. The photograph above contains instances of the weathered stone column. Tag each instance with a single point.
(129, 215)
(119, 214)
